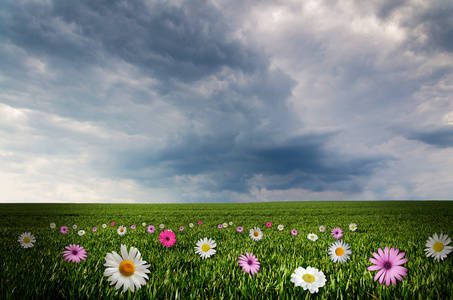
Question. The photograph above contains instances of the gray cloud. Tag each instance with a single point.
(440, 137)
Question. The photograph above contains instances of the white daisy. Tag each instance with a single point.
(312, 237)
(353, 226)
(322, 228)
(339, 251)
(205, 247)
(280, 227)
(161, 226)
(143, 224)
(225, 225)
(26, 240)
(437, 246)
(104, 225)
(122, 230)
(74, 226)
(309, 279)
(81, 232)
(127, 270)
(52, 225)
(256, 234)
(190, 225)
(231, 223)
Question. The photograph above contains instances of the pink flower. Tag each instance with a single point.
(294, 232)
(337, 233)
(95, 229)
(268, 224)
(199, 222)
(220, 226)
(388, 263)
(181, 228)
(150, 229)
(113, 223)
(74, 253)
(167, 238)
(249, 263)
(64, 229)
(240, 229)
(133, 227)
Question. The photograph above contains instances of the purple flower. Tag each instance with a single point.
(389, 265)
(74, 253)
(249, 263)
(337, 233)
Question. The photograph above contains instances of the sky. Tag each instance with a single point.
(225, 101)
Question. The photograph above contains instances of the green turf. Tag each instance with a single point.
(178, 272)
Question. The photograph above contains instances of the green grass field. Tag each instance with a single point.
(41, 272)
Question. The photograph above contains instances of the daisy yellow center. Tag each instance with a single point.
(339, 251)
(26, 240)
(352, 226)
(127, 268)
(308, 278)
(256, 233)
(205, 248)
(121, 230)
(438, 246)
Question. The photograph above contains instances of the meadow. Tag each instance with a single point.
(177, 272)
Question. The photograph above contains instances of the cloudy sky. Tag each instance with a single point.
(225, 101)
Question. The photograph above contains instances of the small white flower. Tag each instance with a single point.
(312, 237)
(309, 279)
(339, 252)
(122, 230)
(437, 246)
(280, 227)
(81, 232)
(322, 228)
(205, 248)
(256, 234)
(127, 270)
(52, 225)
(353, 226)
(26, 240)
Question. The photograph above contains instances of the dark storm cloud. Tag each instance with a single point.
(439, 137)
(168, 41)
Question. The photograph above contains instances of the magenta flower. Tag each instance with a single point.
(388, 263)
(113, 223)
(294, 232)
(220, 226)
(239, 229)
(167, 238)
(133, 227)
(337, 233)
(181, 228)
(268, 224)
(249, 263)
(95, 229)
(64, 229)
(199, 222)
(150, 229)
(74, 253)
